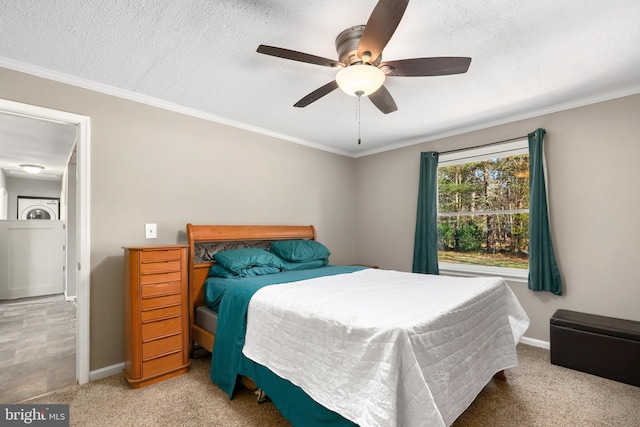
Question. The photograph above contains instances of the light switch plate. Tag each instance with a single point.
(150, 231)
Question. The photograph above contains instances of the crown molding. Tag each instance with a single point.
(582, 102)
(156, 102)
(177, 108)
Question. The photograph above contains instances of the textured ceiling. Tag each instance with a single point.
(529, 57)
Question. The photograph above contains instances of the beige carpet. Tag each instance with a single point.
(536, 394)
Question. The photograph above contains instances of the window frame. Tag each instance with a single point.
(511, 148)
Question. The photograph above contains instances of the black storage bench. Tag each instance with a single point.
(599, 345)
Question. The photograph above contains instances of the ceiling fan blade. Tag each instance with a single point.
(381, 25)
(297, 56)
(317, 94)
(437, 66)
(383, 100)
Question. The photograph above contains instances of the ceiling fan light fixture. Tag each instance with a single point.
(33, 169)
(360, 78)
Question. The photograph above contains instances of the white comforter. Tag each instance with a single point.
(387, 348)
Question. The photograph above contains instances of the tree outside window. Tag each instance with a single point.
(483, 211)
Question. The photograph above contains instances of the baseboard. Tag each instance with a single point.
(105, 372)
(536, 343)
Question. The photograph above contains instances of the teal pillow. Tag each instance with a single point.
(300, 250)
(258, 271)
(316, 263)
(236, 260)
(217, 270)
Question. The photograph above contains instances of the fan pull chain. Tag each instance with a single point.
(359, 95)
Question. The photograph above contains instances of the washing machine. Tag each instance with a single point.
(38, 208)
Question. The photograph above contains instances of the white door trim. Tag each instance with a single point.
(83, 136)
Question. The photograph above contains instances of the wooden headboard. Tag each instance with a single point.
(201, 234)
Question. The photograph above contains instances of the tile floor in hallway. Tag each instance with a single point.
(37, 347)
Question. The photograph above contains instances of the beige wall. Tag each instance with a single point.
(593, 156)
(152, 165)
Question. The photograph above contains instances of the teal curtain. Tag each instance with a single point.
(425, 248)
(544, 274)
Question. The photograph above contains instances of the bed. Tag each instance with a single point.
(349, 345)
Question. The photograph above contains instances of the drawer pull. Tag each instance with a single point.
(161, 346)
(161, 314)
(159, 289)
(148, 279)
(161, 328)
(161, 301)
(160, 267)
(160, 255)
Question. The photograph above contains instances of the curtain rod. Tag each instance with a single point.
(517, 138)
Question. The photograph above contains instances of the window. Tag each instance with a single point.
(483, 211)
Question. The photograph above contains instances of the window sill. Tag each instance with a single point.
(468, 270)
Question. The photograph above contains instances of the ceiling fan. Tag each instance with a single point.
(362, 72)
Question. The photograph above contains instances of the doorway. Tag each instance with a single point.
(82, 238)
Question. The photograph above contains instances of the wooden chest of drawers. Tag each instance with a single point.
(156, 314)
